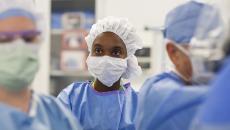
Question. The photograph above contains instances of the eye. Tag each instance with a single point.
(6, 38)
(30, 39)
(98, 51)
(116, 53)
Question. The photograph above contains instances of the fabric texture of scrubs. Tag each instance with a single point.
(114, 110)
(166, 79)
(215, 113)
(168, 108)
(45, 114)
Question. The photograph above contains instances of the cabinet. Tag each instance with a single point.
(70, 22)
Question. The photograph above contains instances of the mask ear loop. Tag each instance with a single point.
(183, 50)
(126, 59)
(187, 53)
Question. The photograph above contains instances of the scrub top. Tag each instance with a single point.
(114, 110)
(166, 79)
(168, 108)
(45, 113)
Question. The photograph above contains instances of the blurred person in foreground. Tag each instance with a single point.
(164, 101)
(211, 48)
(21, 108)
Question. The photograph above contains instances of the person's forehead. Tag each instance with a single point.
(109, 39)
(16, 23)
(108, 36)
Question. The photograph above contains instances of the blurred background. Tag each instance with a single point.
(66, 22)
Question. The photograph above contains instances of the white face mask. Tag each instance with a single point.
(106, 69)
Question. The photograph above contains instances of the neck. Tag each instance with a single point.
(185, 80)
(19, 100)
(100, 87)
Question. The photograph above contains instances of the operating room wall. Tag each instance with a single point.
(41, 82)
(143, 13)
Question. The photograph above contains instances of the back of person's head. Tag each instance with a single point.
(180, 24)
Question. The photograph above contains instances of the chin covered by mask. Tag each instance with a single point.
(205, 69)
(18, 64)
(106, 69)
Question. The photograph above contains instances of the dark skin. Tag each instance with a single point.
(180, 60)
(108, 44)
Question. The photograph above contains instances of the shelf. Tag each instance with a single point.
(144, 59)
(59, 79)
(60, 31)
(59, 73)
(81, 5)
(57, 31)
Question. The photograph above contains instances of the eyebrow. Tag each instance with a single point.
(97, 45)
(120, 47)
(117, 47)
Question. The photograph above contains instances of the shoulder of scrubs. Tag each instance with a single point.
(166, 79)
(215, 114)
(58, 114)
(63, 114)
(161, 108)
(45, 114)
(71, 91)
(94, 109)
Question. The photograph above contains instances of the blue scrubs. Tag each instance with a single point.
(45, 114)
(114, 110)
(168, 108)
(166, 79)
(163, 102)
(215, 114)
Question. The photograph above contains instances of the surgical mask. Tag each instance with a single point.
(18, 64)
(205, 70)
(106, 69)
(199, 75)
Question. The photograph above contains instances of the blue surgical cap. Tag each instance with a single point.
(181, 22)
(17, 12)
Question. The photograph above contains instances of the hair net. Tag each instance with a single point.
(124, 29)
(181, 22)
(25, 8)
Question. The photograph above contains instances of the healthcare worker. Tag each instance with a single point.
(180, 25)
(163, 101)
(21, 108)
(107, 103)
(214, 114)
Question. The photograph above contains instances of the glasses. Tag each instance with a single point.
(29, 37)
